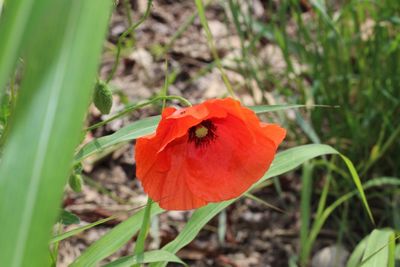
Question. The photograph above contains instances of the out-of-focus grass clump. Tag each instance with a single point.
(344, 53)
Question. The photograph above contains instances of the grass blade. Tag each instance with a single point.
(78, 230)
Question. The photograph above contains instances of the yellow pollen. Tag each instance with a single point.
(201, 131)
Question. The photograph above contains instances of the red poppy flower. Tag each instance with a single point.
(209, 152)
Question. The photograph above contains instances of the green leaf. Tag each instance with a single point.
(60, 66)
(113, 240)
(148, 257)
(68, 218)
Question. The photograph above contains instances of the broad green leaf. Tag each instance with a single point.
(113, 240)
(79, 230)
(379, 249)
(147, 126)
(148, 257)
(60, 67)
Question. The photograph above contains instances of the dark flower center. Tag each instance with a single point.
(203, 133)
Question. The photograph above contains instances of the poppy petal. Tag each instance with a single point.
(230, 164)
(274, 132)
(165, 182)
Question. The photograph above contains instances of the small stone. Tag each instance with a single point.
(332, 256)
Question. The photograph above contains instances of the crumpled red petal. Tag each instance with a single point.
(181, 175)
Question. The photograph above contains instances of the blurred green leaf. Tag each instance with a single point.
(61, 60)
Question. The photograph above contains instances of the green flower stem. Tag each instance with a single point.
(123, 36)
(138, 106)
(211, 44)
(127, 7)
(139, 247)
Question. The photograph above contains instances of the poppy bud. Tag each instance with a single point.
(102, 97)
(76, 182)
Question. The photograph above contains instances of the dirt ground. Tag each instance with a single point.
(255, 235)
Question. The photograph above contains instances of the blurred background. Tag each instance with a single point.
(343, 54)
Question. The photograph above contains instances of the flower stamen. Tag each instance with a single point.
(203, 133)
